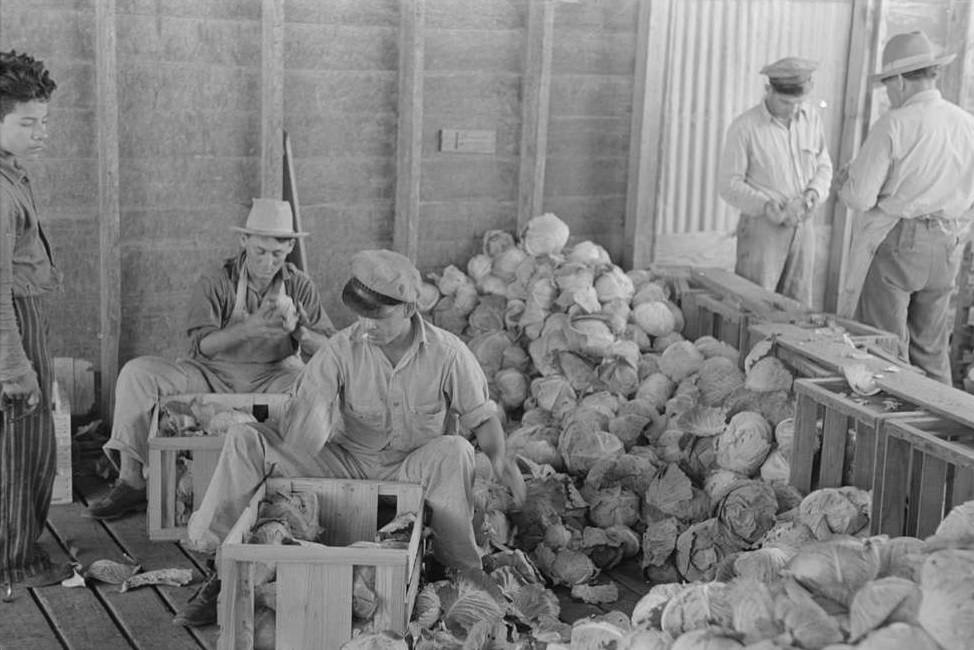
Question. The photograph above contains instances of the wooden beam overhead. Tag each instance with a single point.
(409, 143)
(535, 107)
(865, 39)
(110, 265)
(272, 98)
(649, 95)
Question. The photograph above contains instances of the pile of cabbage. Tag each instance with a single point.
(808, 589)
(637, 443)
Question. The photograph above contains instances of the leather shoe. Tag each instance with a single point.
(201, 608)
(121, 500)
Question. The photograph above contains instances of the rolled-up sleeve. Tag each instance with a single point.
(734, 161)
(311, 413)
(466, 387)
(13, 359)
(205, 313)
(868, 172)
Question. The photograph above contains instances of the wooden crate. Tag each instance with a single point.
(927, 469)
(706, 314)
(62, 491)
(314, 584)
(850, 422)
(161, 517)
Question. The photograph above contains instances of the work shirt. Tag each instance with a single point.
(350, 394)
(212, 303)
(765, 160)
(26, 264)
(917, 160)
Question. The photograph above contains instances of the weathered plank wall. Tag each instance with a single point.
(189, 138)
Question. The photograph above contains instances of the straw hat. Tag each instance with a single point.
(270, 218)
(908, 52)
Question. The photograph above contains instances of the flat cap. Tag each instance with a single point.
(790, 71)
(387, 273)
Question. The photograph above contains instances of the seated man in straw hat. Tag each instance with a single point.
(373, 403)
(248, 320)
(914, 181)
(775, 168)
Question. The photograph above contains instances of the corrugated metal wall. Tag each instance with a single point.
(716, 48)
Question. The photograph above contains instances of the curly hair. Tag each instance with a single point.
(22, 79)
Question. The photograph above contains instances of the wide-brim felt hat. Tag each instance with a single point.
(908, 52)
(270, 218)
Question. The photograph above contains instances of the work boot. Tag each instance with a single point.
(201, 608)
(121, 500)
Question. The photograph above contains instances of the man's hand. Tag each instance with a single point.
(25, 388)
(266, 322)
(507, 473)
(774, 211)
(840, 177)
(810, 200)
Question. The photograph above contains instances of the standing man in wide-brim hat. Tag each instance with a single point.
(914, 180)
(249, 321)
(775, 168)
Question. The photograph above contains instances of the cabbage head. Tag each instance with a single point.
(613, 506)
(588, 252)
(680, 360)
(901, 636)
(451, 280)
(659, 541)
(554, 394)
(711, 347)
(696, 607)
(836, 511)
(582, 447)
(545, 235)
(835, 569)
(489, 349)
(644, 639)
(763, 564)
(768, 374)
(564, 566)
(883, 601)
(745, 443)
(656, 389)
(488, 315)
(512, 387)
(959, 523)
(590, 335)
(654, 318)
(650, 291)
(614, 284)
(947, 608)
(719, 377)
(478, 266)
(505, 264)
(497, 241)
(776, 467)
(538, 443)
(747, 512)
(648, 610)
(699, 549)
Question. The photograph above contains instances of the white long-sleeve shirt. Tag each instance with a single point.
(765, 160)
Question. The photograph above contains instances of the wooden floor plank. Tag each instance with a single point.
(83, 622)
(141, 613)
(130, 534)
(23, 625)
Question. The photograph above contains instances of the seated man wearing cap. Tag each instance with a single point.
(914, 181)
(775, 168)
(248, 320)
(371, 404)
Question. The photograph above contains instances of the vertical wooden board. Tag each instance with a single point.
(896, 477)
(535, 110)
(917, 463)
(962, 488)
(646, 133)
(235, 605)
(154, 490)
(349, 511)
(862, 461)
(167, 496)
(271, 98)
(110, 265)
(691, 315)
(314, 605)
(836, 429)
(390, 587)
(930, 505)
(409, 141)
(803, 446)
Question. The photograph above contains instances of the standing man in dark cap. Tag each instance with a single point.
(248, 320)
(775, 168)
(914, 181)
(27, 274)
(371, 404)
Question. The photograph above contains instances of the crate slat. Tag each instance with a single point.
(895, 482)
(314, 607)
(930, 502)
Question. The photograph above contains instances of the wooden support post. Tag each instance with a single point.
(864, 45)
(535, 105)
(409, 143)
(649, 94)
(956, 84)
(271, 98)
(289, 193)
(110, 266)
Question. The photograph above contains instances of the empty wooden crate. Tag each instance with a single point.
(171, 503)
(851, 433)
(313, 601)
(927, 468)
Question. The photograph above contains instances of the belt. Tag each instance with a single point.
(945, 224)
